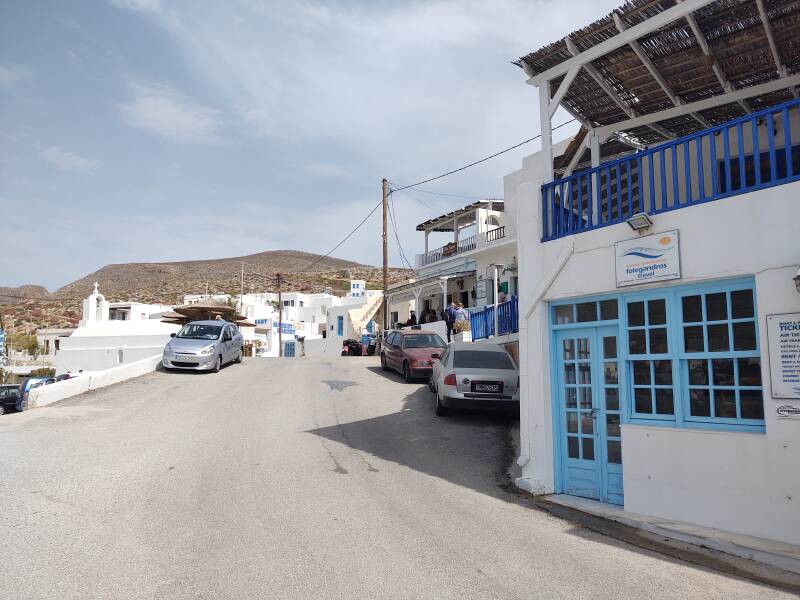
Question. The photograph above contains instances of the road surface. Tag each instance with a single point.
(304, 478)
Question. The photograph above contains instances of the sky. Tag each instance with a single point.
(157, 130)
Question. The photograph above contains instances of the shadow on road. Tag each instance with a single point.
(468, 448)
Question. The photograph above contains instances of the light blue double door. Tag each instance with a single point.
(588, 407)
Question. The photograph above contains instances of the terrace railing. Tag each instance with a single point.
(446, 251)
(481, 321)
(498, 233)
(759, 150)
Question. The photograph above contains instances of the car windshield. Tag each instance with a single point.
(193, 331)
(423, 340)
(476, 359)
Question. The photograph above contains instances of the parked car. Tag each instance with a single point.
(10, 398)
(475, 376)
(204, 346)
(411, 352)
(351, 348)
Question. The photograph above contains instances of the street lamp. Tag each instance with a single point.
(640, 221)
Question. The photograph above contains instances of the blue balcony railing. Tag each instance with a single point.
(482, 321)
(747, 154)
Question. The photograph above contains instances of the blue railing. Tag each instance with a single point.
(482, 321)
(713, 163)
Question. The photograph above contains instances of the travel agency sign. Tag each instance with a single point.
(650, 258)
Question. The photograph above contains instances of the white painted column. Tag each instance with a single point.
(546, 131)
(594, 147)
(427, 233)
(417, 292)
(496, 317)
(444, 295)
(455, 231)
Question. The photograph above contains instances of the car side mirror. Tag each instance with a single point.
(172, 334)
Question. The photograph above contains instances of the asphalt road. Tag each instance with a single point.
(303, 478)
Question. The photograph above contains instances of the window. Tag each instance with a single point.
(482, 359)
(423, 340)
(585, 312)
(340, 325)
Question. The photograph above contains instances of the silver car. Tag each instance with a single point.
(475, 376)
(204, 346)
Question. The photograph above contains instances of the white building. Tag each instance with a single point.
(113, 333)
(659, 371)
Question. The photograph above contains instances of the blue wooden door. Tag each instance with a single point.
(587, 403)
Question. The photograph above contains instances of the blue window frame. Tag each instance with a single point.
(689, 355)
(340, 325)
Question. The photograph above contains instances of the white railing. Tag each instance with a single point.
(446, 251)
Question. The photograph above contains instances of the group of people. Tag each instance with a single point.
(455, 316)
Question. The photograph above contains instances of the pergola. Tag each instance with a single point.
(654, 70)
(416, 288)
(458, 219)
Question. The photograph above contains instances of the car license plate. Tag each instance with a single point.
(185, 357)
(488, 387)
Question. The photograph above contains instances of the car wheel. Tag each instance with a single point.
(239, 356)
(218, 364)
(2, 409)
(384, 366)
(441, 409)
(406, 372)
(431, 385)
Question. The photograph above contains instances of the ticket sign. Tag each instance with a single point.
(783, 336)
(646, 259)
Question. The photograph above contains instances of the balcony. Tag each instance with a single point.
(446, 251)
(759, 150)
(498, 233)
(481, 321)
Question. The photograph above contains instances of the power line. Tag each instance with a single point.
(447, 194)
(393, 220)
(484, 159)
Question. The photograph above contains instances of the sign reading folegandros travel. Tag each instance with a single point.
(783, 334)
(650, 258)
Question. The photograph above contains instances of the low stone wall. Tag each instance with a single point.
(68, 388)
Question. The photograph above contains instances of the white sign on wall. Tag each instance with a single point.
(783, 335)
(650, 258)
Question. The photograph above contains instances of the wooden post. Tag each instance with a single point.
(385, 255)
(280, 316)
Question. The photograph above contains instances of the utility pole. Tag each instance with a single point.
(385, 255)
(280, 316)
(241, 293)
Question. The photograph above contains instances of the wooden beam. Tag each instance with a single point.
(634, 33)
(563, 89)
(782, 70)
(756, 90)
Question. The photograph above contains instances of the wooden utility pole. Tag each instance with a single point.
(385, 255)
(280, 316)
(241, 292)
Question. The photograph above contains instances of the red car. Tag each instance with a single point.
(411, 352)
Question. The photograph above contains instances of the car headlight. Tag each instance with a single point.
(208, 350)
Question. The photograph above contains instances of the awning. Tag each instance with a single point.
(445, 222)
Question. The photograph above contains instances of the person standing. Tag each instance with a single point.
(450, 319)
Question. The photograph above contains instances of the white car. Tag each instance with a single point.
(469, 375)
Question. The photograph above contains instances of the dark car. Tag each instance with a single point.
(10, 398)
(411, 352)
(351, 348)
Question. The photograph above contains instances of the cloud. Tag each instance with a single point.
(328, 171)
(64, 160)
(162, 110)
(11, 76)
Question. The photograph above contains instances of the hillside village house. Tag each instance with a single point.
(112, 334)
(482, 240)
(660, 369)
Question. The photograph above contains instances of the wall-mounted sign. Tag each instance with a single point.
(649, 258)
(788, 411)
(783, 335)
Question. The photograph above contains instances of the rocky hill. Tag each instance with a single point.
(31, 307)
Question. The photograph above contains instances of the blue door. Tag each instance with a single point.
(587, 402)
(288, 349)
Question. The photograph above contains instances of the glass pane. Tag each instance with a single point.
(716, 307)
(569, 373)
(610, 347)
(572, 447)
(572, 422)
(749, 371)
(742, 304)
(664, 404)
(718, 338)
(612, 425)
(587, 311)
(752, 404)
(700, 403)
(693, 339)
(588, 448)
(571, 397)
(609, 310)
(612, 399)
(643, 400)
(725, 403)
(586, 397)
(658, 341)
(663, 372)
(564, 314)
(692, 309)
(583, 348)
(656, 312)
(698, 372)
(584, 373)
(641, 372)
(722, 370)
(636, 343)
(635, 314)
(744, 336)
(615, 452)
(610, 369)
(587, 424)
(569, 349)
